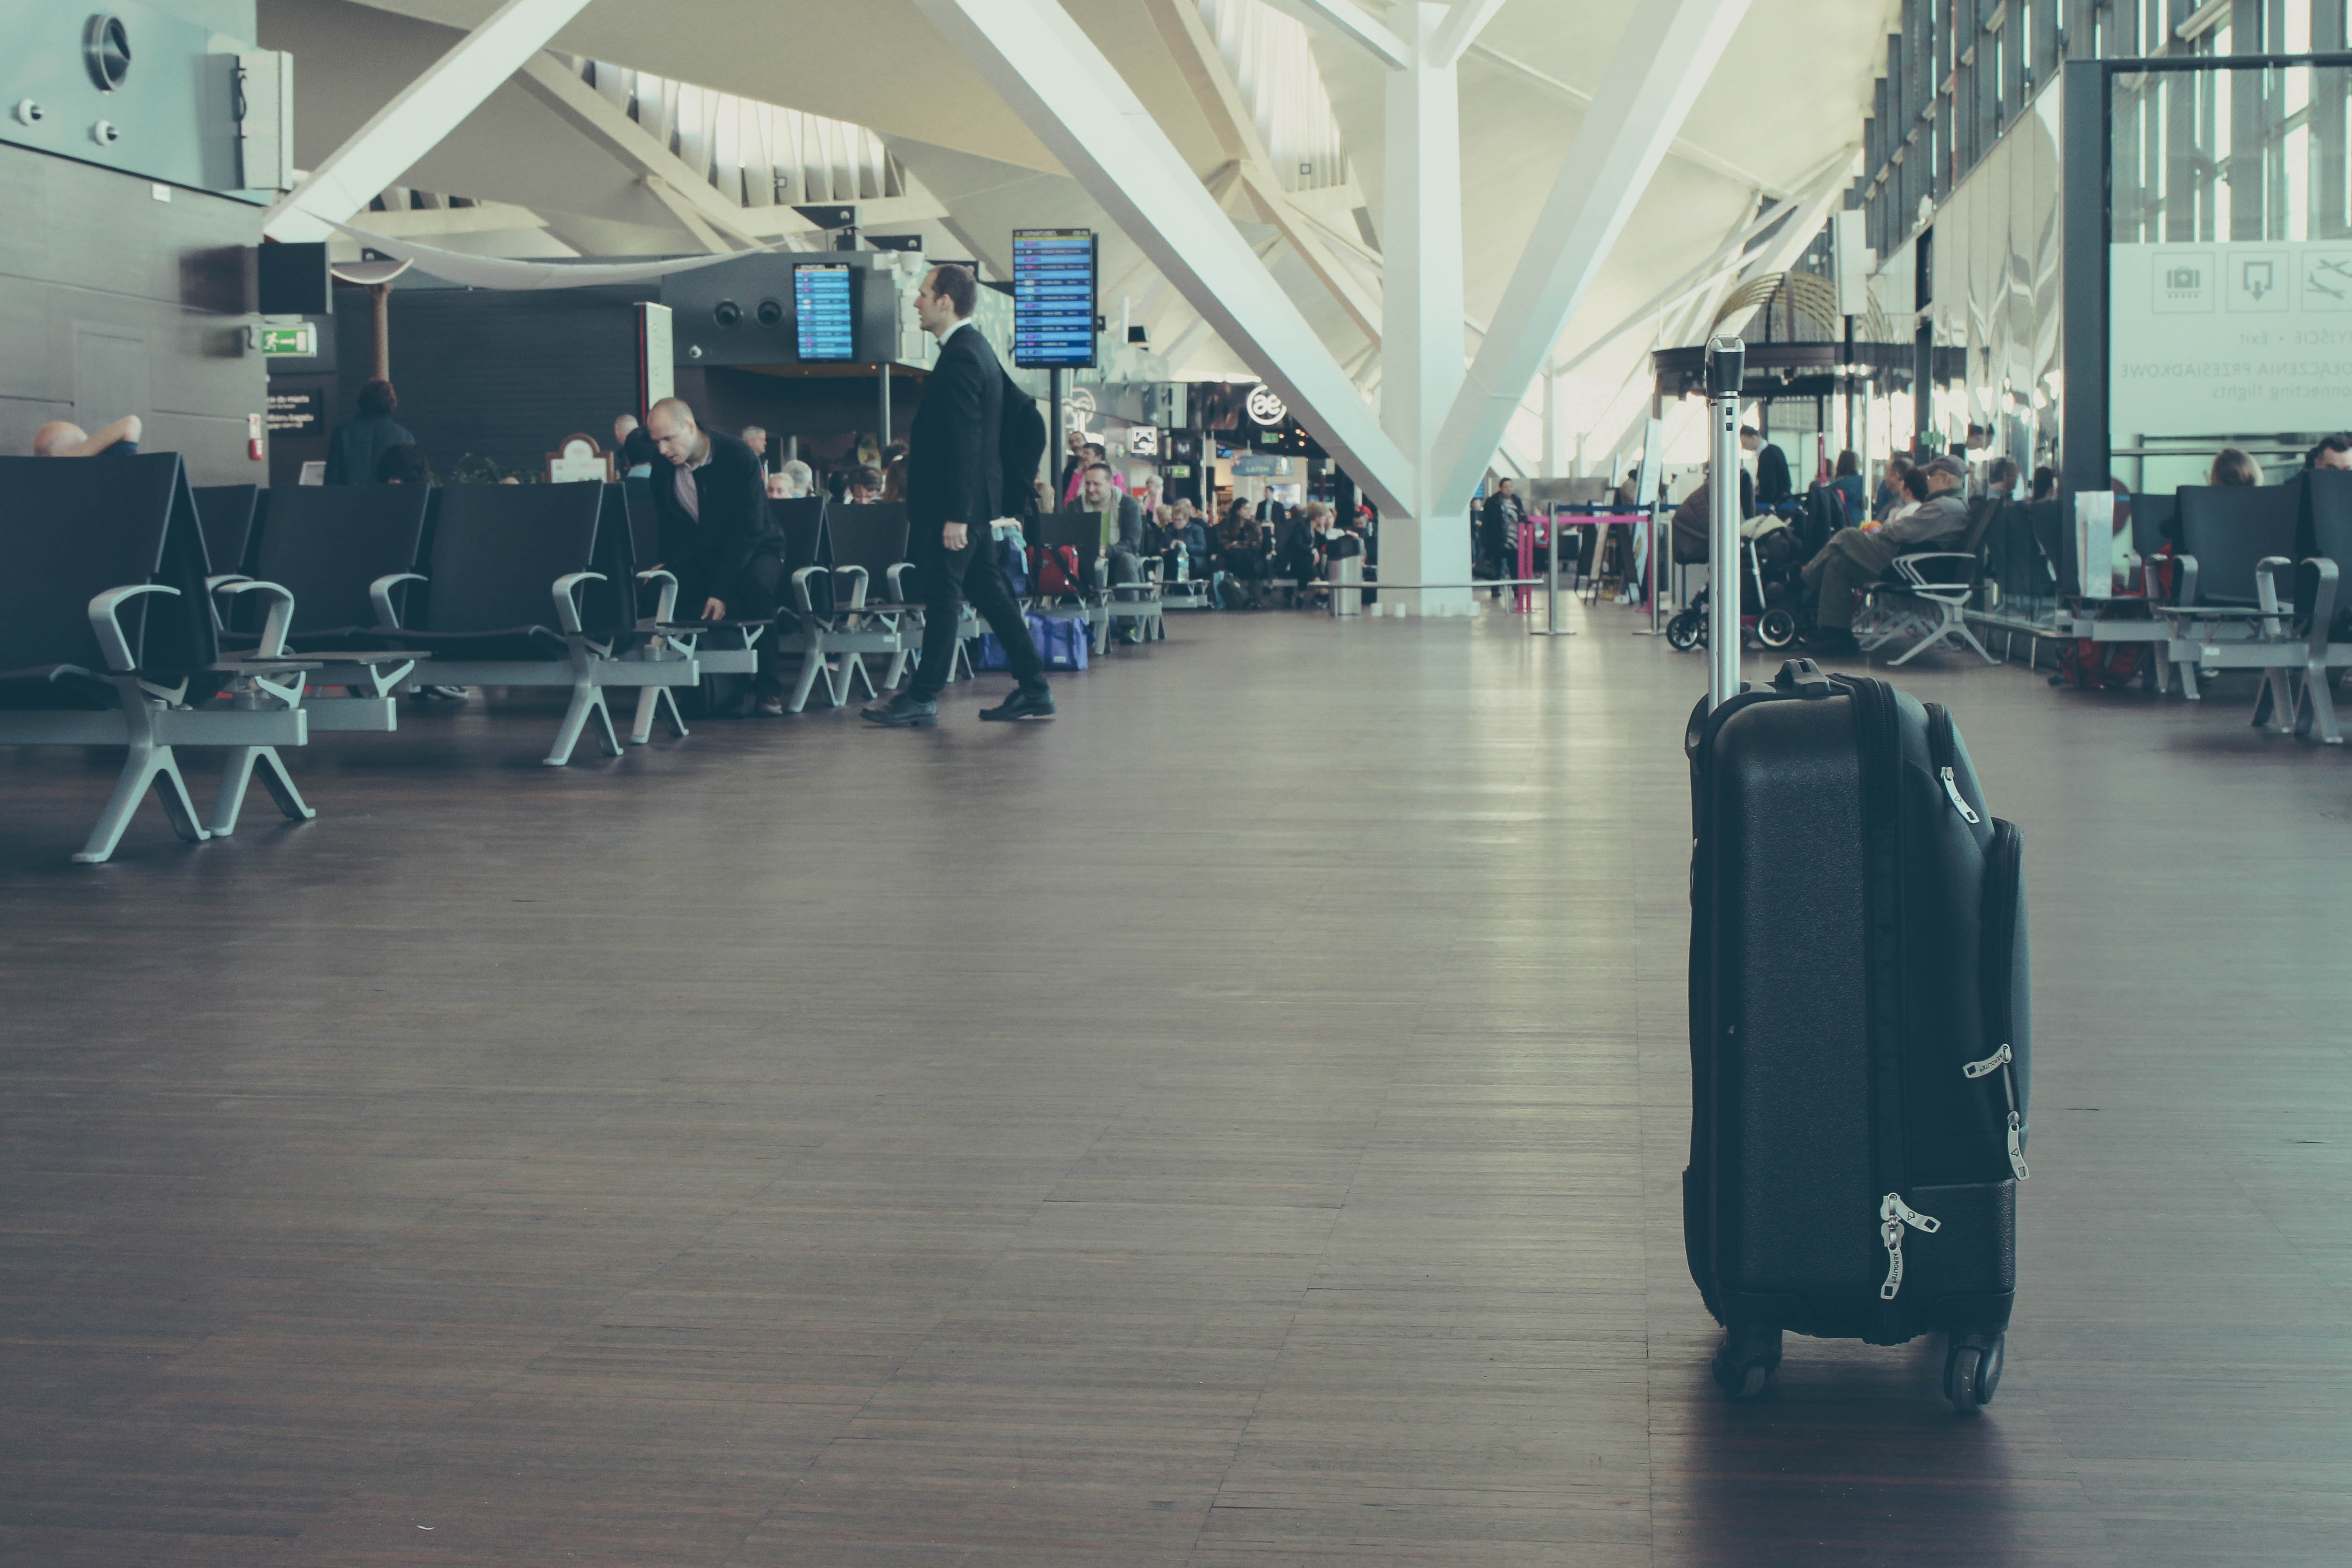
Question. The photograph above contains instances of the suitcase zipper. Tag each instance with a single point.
(1941, 747)
(1999, 1062)
(1952, 787)
(1894, 1214)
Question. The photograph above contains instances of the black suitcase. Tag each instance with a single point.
(1859, 1031)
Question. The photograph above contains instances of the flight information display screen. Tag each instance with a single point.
(1054, 299)
(822, 302)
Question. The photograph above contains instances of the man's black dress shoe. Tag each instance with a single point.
(903, 711)
(1025, 703)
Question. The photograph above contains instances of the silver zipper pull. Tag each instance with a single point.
(2017, 1146)
(1891, 1234)
(1979, 1069)
(1894, 1207)
(1952, 787)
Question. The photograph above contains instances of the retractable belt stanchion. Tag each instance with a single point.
(1726, 362)
(1656, 548)
(1551, 626)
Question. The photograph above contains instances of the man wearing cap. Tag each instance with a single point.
(1854, 560)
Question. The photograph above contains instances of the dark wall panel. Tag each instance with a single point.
(505, 376)
(113, 302)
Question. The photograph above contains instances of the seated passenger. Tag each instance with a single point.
(1183, 528)
(1298, 547)
(2000, 479)
(1914, 491)
(1101, 492)
(1690, 519)
(1854, 560)
(1891, 492)
(1241, 545)
(2232, 466)
(2333, 452)
(1848, 485)
(865, 486)
(62, 438)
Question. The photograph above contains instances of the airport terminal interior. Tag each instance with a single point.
(1175, 783)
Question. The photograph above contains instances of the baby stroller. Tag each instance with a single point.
(1770, 588)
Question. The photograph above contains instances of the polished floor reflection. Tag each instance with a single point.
(1238, 1123)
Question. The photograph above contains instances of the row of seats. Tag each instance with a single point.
(2232, 577)
(136, 610)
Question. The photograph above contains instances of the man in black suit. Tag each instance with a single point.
(1021, 448)
(955, 489)
(718, 536)
(1773, 485)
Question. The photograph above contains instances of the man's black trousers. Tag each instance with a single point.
(947, 577)
(753, 593)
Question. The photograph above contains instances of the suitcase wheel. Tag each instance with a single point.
(1972, 1370)
(1745, 1360)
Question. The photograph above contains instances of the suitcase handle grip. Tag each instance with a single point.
(1803, 677)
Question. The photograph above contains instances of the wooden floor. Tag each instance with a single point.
(1238, 1123)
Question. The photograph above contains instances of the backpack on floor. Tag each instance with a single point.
(2088, 665)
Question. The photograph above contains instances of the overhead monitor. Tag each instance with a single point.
(824, 302)
(1054, 278)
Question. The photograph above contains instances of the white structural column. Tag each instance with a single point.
(1075, 102)
(1668, 50)
(417, 118)
(1422, 334)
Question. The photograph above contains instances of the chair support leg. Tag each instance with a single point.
(237, 775)
(2322, 704)
(586, 700)
(147, 764)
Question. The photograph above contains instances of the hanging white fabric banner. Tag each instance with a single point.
(504, 272)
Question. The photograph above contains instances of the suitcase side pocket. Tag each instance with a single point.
(2007, 990)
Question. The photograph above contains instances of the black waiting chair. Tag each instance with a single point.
(230, 517)
(2297, 691)
(829, 596)
(1090, 602)
(107, 639)
(2223, 611)
(331, 546)
(1927, 592)
(870, 546)
(534, 585)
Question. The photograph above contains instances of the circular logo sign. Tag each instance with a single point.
(1078, 409)
(1265, 407)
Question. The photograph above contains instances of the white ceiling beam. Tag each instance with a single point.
(1729, 258)
(1463, 24)
(1668, 50)
(1688, 152)
(417, 118)
(1351, 21)
(678, 185)
(1075, 102)
(1213, 87)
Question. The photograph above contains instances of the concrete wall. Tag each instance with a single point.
(113, 302)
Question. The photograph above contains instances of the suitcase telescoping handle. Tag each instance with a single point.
(1801, 677)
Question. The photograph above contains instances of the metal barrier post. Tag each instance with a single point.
(1551, 626)
(1726, 364)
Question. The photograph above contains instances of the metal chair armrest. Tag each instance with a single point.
(279, 621)
(859, 579)
(387, 619)
(107, 622)
(2184, 579)
(665, 602)
(567, 608)
(801, 581)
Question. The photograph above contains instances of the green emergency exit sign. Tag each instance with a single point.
(300, 340)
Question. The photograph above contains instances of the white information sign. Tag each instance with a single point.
(2224, 338)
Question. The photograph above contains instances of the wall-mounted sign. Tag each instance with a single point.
(1079, 411)
(1054, 299)
(297, 412)
(825, 305)
(297, 341)
(1177, 470)
(1143, 441)
(1264, 406)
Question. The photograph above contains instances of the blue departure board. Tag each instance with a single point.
(1054, 299)
(825, 303)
